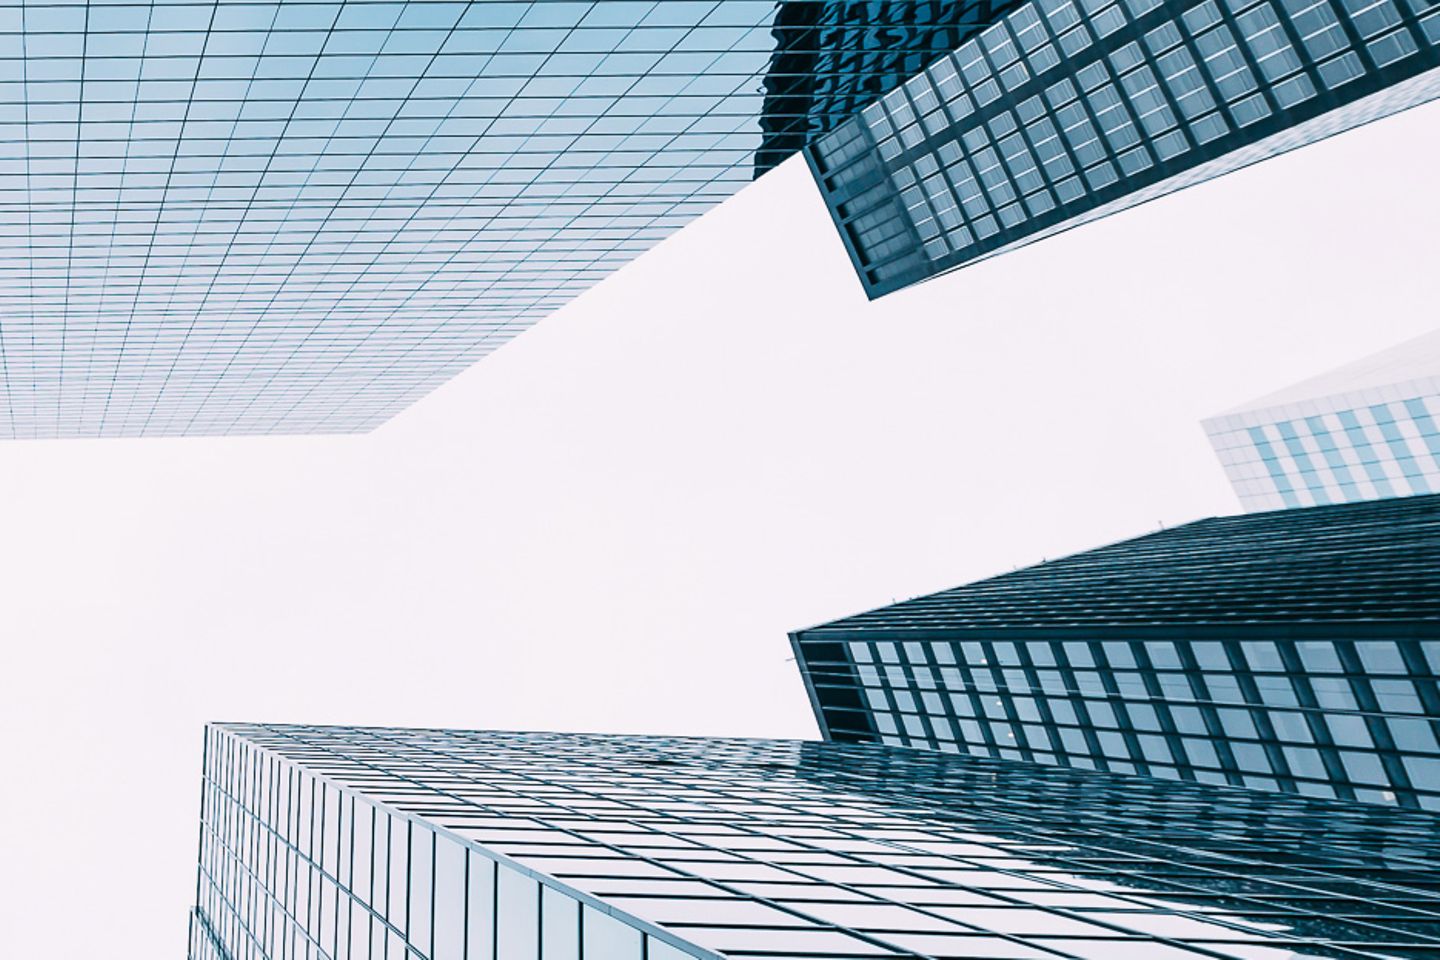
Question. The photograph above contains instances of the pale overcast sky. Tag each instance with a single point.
(612, 523)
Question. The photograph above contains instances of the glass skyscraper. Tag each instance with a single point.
(1297, 651)
(1064, 111)
(1370, 429)
(833, 58)
(328, 842)
(228, 216)
(233, 216)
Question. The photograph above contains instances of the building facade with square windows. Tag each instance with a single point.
(362, 843)
(1367, 430)
(1296, 650)
(1064, 111)
(223, 216)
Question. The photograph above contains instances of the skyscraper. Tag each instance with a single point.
(451, 845)
(1064, 111)
(1364, 431)
(224, 216)
(1296, 651)
(836, 56)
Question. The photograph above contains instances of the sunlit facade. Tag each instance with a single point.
(239, 217)
(1068, 110)
(1295, 651)
(330, 842)
(1368, 430)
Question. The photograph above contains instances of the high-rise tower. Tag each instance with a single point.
(364, 844)
(1064, 111)
(1297, 650)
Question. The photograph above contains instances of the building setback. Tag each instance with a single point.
(1367, 430)
(1296, 650)
(1065, 111)
(323, 842)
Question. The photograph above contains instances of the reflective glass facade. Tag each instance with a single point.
(1365, 431)
(1068, 110)
(259, 217)
(1296, 651)
(833, 58)
(343, 842)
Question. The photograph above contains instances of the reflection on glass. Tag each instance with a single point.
(626, 848)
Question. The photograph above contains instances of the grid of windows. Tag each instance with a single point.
(1067, 109)
(239, 216)
(833, 58)
(1357, 564)
(695, 847)
(1360, 445)
(1297, 651)
(1357, 720)
(294, 865)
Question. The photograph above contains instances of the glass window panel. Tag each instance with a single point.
(1397, 696)
(1251, 757)
(1263, 655)
(1143, 716)
(1380, 657)
(606, 938)
(517, 915)
(1290, 726)
(660, 950)
(1163, 655)
(1188, 719)
(1333, 693)
(1201, 752)
(1424, 773)
(1210, 656)
(1319, 656)
(363, 842)
(422, 877)
(560, 937)
(1363, 767)
(398, 892)
(1237, 723)
(450, 892)
(1348, 730)
(1304, 762)
(1414, 735)
(1156, 749)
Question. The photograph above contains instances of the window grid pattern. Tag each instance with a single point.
(1355, 720)
(291, 865)
(1374, 565)
(1364, 564)
(1067, 109)
(770, 848)
(836, 57)
(1379, 442)
(253, 217)
(1295, 650)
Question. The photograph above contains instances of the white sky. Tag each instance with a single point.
(612, 523)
